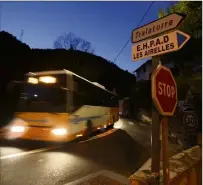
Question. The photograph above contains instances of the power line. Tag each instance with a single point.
(137, 27)
(0, 15)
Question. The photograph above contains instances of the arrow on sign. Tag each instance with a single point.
(157, 46)
(156, 27)
(182, 38)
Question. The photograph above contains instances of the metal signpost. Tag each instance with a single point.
(164, 95)
(164, 89)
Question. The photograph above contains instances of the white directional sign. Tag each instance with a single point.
(163, 44)
(159, 26)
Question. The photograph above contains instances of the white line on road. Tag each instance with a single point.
(29, 152)
(100, 135)
(113, 177)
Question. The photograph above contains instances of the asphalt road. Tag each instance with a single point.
(29, 163)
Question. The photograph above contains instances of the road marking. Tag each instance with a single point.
(29, 152)
(108, 178)
(100, 135)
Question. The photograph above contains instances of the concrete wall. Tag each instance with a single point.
(184, 168)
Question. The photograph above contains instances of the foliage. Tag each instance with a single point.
(71, 41)
(190, 55)
(193, 23)
(162, 13)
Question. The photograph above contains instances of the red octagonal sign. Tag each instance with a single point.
(164, 91)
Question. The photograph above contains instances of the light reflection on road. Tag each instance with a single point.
(118, 124)
(7, 150)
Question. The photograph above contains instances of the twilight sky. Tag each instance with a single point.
(107, 25)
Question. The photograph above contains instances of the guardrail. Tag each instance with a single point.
(185, 168)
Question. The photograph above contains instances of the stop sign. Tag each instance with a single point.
(164, 91)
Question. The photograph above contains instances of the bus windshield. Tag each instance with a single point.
(43, 98)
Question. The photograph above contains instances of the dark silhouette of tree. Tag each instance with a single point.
(71, 41)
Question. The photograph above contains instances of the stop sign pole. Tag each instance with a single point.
(164, 90)
(164, 95)
(155, 149)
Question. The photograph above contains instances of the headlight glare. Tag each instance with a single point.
(17, 129)
(59, 131)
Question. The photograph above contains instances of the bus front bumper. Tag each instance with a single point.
(39, 134)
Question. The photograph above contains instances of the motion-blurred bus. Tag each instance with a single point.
(61, 106)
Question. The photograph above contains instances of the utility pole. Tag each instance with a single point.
(21, 35)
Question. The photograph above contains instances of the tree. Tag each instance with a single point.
(162, 13)
(193, 23)
(71, 41)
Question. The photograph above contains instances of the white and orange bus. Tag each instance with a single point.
(61, 106)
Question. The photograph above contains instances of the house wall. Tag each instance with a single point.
(145, 72)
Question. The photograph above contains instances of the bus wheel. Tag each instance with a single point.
(88, 131)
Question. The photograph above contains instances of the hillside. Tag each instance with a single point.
(18, 58)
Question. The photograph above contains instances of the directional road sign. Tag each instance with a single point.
(163, 44)
(164, 91)
(159, 26)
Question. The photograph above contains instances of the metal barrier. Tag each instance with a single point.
(185, 169)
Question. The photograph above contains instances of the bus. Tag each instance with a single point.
(62, 106)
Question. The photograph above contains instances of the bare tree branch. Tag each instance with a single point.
(71, 41)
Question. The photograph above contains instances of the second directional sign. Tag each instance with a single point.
(163, 44)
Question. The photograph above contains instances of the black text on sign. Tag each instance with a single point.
(157, 46)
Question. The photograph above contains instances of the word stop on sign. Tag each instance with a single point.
(166, 90)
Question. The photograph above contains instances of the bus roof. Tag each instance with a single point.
(64, 71)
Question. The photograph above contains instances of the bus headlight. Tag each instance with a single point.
(18, 129)
(59, 131)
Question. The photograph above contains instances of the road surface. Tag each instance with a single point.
(123, 151)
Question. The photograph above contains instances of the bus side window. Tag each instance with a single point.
(79, 94)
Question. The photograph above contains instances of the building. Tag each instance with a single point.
(145, 70)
